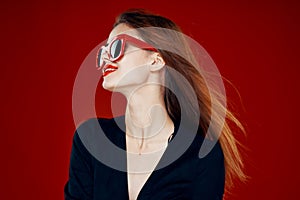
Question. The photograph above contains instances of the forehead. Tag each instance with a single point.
(122, 29)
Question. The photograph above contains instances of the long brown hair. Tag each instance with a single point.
(137, 18)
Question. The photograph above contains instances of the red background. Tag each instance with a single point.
(255, 45)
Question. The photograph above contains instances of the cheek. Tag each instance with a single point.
(134, 59)
(135, 64)
(133, 69)
(135, 76)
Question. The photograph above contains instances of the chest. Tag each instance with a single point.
(170, 182)
(136, 183)
(139, 169)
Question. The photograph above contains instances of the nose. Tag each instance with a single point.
(106, 56)
(104, 53)
(103, 57)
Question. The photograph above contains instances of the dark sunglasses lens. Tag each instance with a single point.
(115, 49)
(99, 58)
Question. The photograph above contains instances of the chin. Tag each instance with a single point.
(108, 86)
(112, 87)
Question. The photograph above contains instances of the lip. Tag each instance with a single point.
(108, 69)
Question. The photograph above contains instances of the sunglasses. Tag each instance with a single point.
(115, 49)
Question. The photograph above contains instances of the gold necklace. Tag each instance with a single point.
(143, 139)
(142, 143)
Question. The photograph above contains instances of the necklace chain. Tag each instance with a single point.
(143, 139)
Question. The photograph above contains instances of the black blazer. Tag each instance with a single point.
(187, 177)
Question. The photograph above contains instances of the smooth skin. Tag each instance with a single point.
(139, 78)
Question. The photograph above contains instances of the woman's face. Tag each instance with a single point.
(132, 69)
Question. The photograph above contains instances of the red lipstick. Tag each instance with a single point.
(108, 69)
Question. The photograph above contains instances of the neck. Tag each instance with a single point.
(146, 117)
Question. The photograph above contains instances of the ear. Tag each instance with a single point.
(157, 62)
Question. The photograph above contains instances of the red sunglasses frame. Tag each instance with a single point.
(123, 38)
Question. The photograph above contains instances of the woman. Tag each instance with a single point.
(168, 118)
